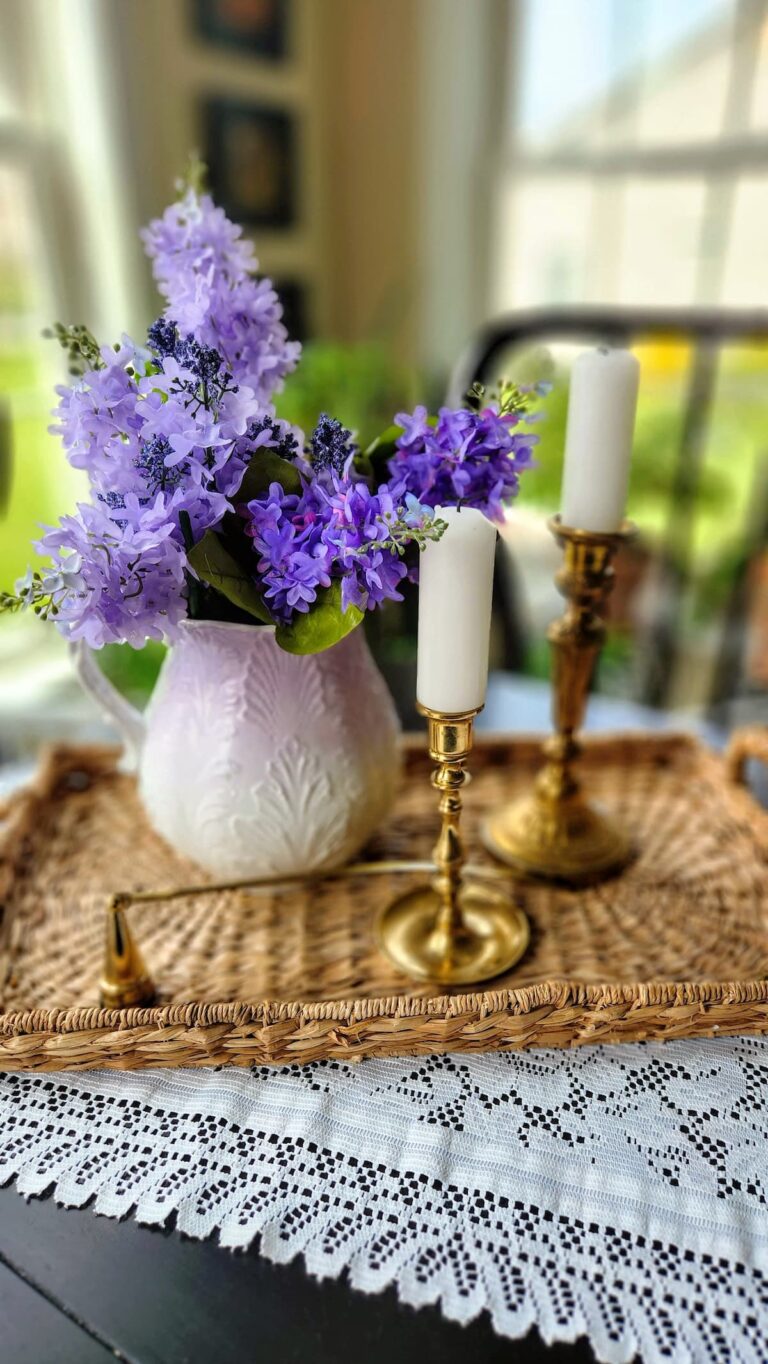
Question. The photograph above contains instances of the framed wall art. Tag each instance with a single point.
(258, 27)
(296, 310)
(251, 151)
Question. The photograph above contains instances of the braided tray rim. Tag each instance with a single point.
(553, 1013)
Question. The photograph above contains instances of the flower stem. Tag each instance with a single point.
(194, 587)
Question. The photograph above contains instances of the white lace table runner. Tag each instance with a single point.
(616, 1192)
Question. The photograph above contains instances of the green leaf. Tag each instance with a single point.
(364, 468)
(387, 438)
(266, 467)
(213, 563)
(323, 625)
(374, 461)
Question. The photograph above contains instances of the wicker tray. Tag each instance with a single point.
(676, 947)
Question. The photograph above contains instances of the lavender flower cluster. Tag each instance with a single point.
(335, 528)
(338, 527)
(164, 433)
(473, 458)
(206, 273)
(174, 436)
(111, 581)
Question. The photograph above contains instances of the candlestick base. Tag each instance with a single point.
(566, 840)
(491, 935)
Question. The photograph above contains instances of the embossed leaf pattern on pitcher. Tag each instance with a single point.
(257, 762)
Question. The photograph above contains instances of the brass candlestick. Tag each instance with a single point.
(454, 930)
(556, 832)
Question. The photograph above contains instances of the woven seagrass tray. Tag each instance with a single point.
(675, 947)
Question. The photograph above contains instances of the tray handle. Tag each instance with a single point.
(749, 742)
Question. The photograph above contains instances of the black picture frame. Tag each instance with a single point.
(294, 296)
(251, 153)
(258, 27)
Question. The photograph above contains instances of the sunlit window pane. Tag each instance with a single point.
(682, 97)
(572, 240)
(543, 242)
(563, 66)
(18, 291)
(760, 93)
(745, 281)
(597, 72)
(661, 238)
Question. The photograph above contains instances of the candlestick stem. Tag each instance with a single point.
(449, 745)
(556, 832)
(454, 930)
(448, 853)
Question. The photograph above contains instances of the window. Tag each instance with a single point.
(635, 165)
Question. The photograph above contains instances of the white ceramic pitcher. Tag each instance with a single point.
(254, 761)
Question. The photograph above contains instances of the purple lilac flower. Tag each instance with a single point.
(334, 529)
(165, 433)
(154, 445)
(204, 362)
(98, 421)
(206, 272)
(114, 580)
(294, 560)
(266, 432)
(415, 427)
(475, 458)
(146, 423)
(357, 524)
(200, 420)
(155, 467)
(163, 336)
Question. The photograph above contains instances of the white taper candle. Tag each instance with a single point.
(598, 441)
(455, 592)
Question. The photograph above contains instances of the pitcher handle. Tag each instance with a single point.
(129, 720)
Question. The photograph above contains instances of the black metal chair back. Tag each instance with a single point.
(707, 333)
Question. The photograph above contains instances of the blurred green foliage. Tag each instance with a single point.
(41, 485)
(133, 671)
(363, 386)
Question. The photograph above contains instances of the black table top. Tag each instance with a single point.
(80, 1289)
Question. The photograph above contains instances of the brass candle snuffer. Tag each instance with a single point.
(557, 832)
(456, 929)
(126, 983)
